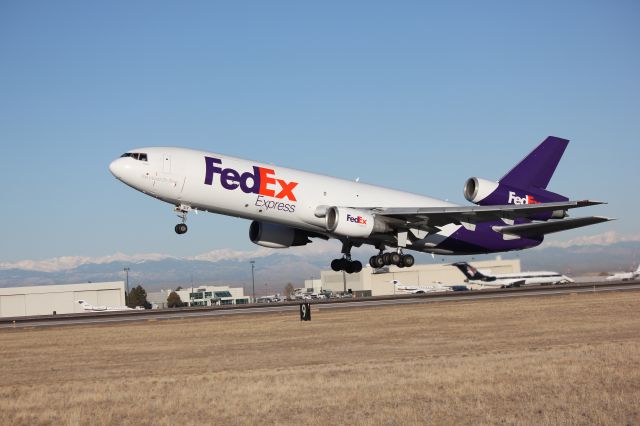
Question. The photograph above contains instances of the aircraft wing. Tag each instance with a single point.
(431, 218)
(542, 228)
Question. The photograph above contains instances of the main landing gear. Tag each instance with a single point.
(383, 259)
(182, 211)
(346, 264)
(397, 258)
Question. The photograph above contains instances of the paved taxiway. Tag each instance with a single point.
(82, 319)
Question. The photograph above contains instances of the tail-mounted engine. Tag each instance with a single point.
(488, 193)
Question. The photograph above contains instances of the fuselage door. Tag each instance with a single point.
(168, 184)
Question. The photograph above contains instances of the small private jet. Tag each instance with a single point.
(87, 307)
(625, 276)
(419, 289)
(474, 276)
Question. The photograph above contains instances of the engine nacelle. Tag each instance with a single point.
(353, 222)
(488, 193)
(477, 189)
(276, 236)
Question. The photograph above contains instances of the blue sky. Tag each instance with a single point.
(414, 95)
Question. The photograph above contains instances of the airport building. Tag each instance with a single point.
(201, 296)
(379, 282)
(58, 299)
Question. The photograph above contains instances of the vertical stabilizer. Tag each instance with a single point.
(471, 272)
(536, 169)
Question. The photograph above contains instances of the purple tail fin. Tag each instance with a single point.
(526, 183)
(536, 169)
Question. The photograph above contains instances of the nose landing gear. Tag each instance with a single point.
(182, 211)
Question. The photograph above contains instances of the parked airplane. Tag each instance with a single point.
(417, 289)
(269, 299)
(625, 276)
(91, 308)
(474, 276)
(290, 206)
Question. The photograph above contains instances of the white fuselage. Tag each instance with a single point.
(416, 289)
(205, 181)
(625, 276)
(525, 278)
(87, 307)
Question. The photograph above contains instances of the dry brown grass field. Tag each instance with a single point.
(545, 361)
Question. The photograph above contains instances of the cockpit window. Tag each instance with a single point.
(135, 155)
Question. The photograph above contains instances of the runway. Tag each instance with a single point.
(166, 314)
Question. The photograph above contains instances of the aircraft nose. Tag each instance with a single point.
(116, 167)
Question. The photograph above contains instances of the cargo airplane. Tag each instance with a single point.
(288, 207)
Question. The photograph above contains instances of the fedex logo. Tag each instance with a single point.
(527, 199)
(356, 219)
(261, 181)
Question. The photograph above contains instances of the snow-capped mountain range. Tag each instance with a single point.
(275, 268)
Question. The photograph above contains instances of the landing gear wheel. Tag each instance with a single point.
(379, 261)
(349, 268)
(408, 260)
(357, 266)
(386, 258)
(336, 265)
(395, 258)
(181, 228)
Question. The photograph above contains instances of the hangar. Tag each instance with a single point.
(58, 299)
(205, 295)
(378, 282)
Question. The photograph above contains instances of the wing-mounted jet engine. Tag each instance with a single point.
(273, 235)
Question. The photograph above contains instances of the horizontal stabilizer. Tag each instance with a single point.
(541, 228)
(425, 217)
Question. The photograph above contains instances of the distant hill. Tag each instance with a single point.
(276, 268)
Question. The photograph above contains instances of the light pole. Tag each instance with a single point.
(253, 279)
(126, 294)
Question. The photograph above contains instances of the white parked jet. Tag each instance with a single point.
(91, 308)
(290, 206)
(418, 289)
(474, 276)
(625, 276)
